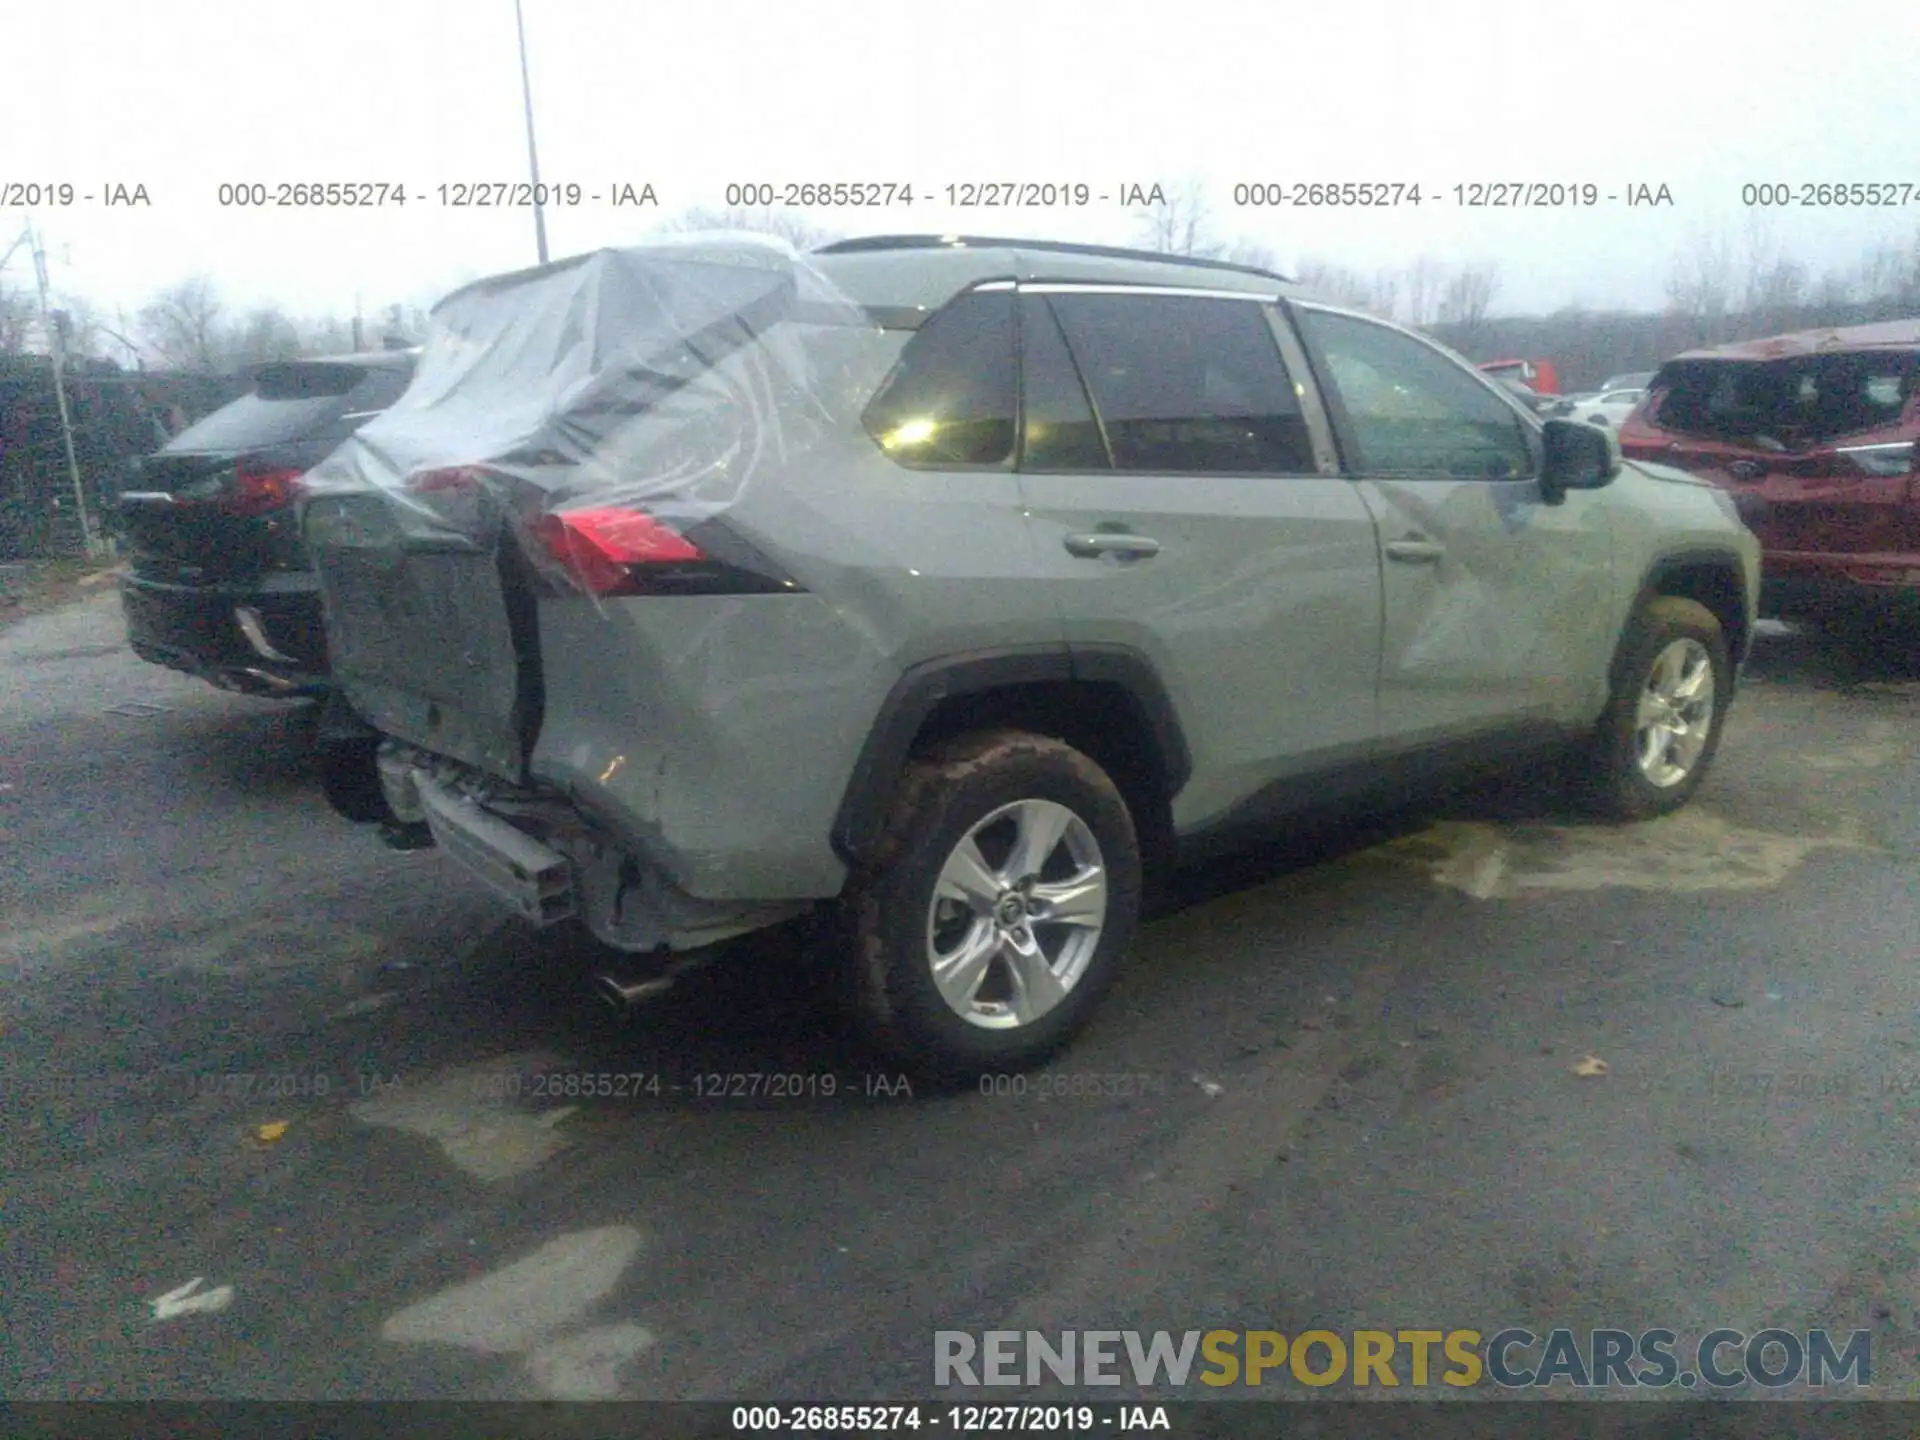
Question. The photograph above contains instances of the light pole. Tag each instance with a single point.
(533, 155)
(56, 335)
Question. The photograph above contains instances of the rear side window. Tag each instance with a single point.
(253, 423)
(378, 390)
(306, 382)
(953, 397)
(294, 402)
(1187, 385)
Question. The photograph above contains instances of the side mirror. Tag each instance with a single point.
(1578, 457)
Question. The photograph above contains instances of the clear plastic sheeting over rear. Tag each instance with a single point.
(601, 406)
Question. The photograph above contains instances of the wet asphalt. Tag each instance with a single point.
(406, 1151)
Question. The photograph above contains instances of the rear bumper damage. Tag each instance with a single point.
(545, 861)
(534, 880)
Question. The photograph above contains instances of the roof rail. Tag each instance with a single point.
(864, 243)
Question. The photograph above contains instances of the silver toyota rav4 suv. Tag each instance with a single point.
(959, 589)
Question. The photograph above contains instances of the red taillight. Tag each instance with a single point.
(600, 547)
(258, 490)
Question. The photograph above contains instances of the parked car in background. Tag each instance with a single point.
(219, 585)
(1606, 407)
(1537, 375)
(1536, 402)
(1637, 380)
(963, 588)
(1814, 434)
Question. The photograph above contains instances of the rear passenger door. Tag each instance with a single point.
(1185, 504)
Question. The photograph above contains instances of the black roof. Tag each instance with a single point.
(869, 243)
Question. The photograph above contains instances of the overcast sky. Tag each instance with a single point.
(1700, 97)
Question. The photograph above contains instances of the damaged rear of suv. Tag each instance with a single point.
(1813, 434)
(519, 559)
(959, 587)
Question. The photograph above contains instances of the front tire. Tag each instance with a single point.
(1672, 683)
(1001, 898)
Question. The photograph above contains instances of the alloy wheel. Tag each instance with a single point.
(1676, 713)
(1017, 913)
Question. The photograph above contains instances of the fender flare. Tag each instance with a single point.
(923, 687)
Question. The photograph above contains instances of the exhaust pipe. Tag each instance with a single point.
(277, 684)
(625, 994)
(255, 629)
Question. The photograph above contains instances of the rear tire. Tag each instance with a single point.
(1672, 682)
(954, 968)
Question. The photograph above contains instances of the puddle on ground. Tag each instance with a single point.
(475, 1114)
(529, 1309)
(527, 1304)
(587, 1365)
(33, 949)
(1691, 851)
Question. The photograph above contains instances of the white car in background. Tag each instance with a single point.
(1606, 407)
(1638, 380)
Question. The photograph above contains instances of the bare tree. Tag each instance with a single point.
(86, 335)
(1891, 273)
(329, 335)
(1386, 295)
(1336, 283)
(265, 335)
(1251, 252)
(1182, 224)
(1466, 298)
(1425, 278)
(117, 337)
(183, 326)
(1762, 254)
(800, 233)
(1777, 296)
(1834, 290)
(1700, 287)
(19, 317)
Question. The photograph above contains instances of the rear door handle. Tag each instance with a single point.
(1109, 542)
(1415, 552)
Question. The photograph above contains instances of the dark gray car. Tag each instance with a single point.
(966, 588)
(217, 583)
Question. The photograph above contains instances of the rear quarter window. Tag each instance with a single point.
(253, 423)
(292, 403)
(953, 398)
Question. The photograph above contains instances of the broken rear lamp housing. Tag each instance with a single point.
(609, 549)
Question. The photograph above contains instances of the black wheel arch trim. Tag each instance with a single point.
(918, 692)
(1694, 557)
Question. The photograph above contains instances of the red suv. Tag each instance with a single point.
(1814, 435)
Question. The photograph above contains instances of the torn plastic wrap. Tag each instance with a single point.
(597, 408)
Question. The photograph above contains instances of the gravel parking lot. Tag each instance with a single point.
(405, 1150)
